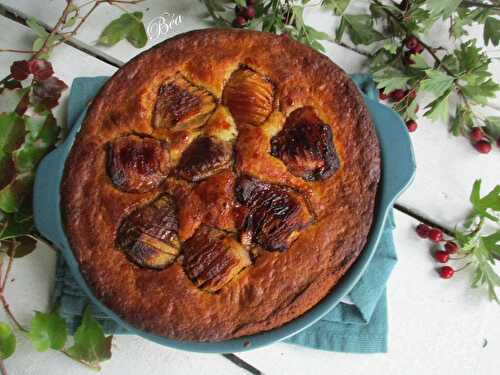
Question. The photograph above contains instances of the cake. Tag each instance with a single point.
(221, 185)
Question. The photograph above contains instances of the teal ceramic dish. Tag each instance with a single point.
(398, 169)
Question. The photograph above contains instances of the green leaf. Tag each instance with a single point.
(128, 26)
(37, 143)
(7, 341)
(360, 29)
(419, 62)
(137, 35)
(437, 82)
(391, 79)
(442, 8)
(10, 99)
(36, 27)
(11, 131)
(493, 126)
(480, 93)
(336, 6)
(438, 109)
(490, 201)
(391, 46)
(491, 31)
(90, 343)
(492, 244)
(12, 195)
(47, 331)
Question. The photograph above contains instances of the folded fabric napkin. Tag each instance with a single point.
(357, 326)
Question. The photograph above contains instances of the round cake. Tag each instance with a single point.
(221, 184)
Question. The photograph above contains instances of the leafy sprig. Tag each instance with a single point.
(479, 245)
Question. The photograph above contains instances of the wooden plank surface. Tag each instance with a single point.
(435, 325)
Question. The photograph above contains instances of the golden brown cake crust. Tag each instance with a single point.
(280, 285)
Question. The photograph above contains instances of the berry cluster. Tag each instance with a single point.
(244, 14)
(413, 47)
(442, 256)
(480, 140)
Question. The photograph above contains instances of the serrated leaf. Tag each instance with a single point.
(492, 244)
(491, 31)
(493, 126)
(438, 109)
(336, 6)
(419, 62)
(480, 93)
(391, 79)
(90, 343)
(490, 201)
(442, 8)
(436, 82)
(47, 331)
(391, 46)
(360, 29)
(7, 341)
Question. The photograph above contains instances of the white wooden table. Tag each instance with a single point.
(436, 326)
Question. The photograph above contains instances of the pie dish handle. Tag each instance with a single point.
(398, 159)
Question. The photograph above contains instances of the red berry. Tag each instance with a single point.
(413, 94)
(239, 21)
(411, 126)
(397, 95)
(436, 235)
(441, 256)
(251, 2)
(418, 49)
(450, 247)
(483, 147)
(411, 42)
(382, 95)
(41, 69)
(446, 272)
(476, 134)
(422, 230)
(20, 70)
(249, 12)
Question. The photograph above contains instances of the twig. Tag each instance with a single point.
(342, 44)
(8, 311)
(479, 5)
(9, 266)
(16, 50)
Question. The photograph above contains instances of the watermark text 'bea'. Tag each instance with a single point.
(162, 25)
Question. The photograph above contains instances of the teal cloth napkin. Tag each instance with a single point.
(356, 327)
